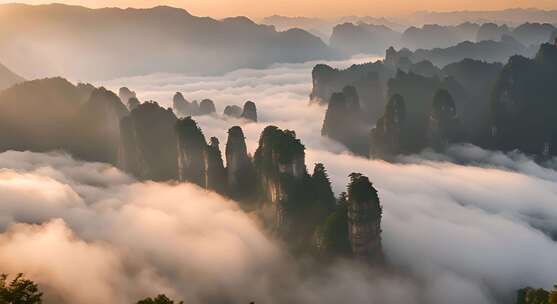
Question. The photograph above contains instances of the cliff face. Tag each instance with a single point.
(215, 172)
(443, 121)
(250, 111)
(39, 115)
(133, 103)
(240, 171)
(233, 111)
(149, 143)
(368, 79)
(207, 107)
(198, 162)
(418, 92)
(125, 94)
(364, 219)
(279, 163)
(524, 108)
(193, 159)
(478, 79)
(184, 108)
(344, 123)
(387, 136)
(98, 122)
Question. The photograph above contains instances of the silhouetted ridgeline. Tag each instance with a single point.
(357, 38)
(53, 114)
(54, 38)
(8, 78)
(487, 50)
(363, 38)
(152, 143)
(490, 105)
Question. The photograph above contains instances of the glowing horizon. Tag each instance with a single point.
(327, 8)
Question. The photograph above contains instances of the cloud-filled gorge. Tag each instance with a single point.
(472, 232)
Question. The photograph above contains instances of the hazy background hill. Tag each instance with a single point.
(8, 78)
(82, 43)
(511, 17)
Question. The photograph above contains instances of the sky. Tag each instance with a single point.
(315, 8)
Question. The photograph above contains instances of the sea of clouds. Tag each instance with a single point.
(471, 226)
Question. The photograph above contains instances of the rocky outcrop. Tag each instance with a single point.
(387, 137)
(38, 115)
(192, 153)
(180, 105)
(240, 171)
(85, 90)
(53, 114)
(369, 80)
(216, 177)
(198, 162)
(477, 79)
(133, 103)
(418, 92)
(353, 228)
(343, 122)
(149, 143)
(232, 111)
(98, 122)
(125, 94)
(444, 123)
(364, 214)
(250, 111)
(184, 108)
(337, 115)
(280, 164)
(207, 107)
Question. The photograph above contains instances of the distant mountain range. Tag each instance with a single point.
(511, 17)
(374, 39)
(425, 30)
(97, 44)
(8, 78)
(82, 43)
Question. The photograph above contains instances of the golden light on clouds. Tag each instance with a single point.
(328, 8)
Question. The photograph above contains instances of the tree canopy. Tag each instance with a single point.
(19, 290)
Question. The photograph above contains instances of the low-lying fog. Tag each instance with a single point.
(471, 233)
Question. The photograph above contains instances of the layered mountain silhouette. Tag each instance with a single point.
(491, 105)
(487, 50)
(8, 78)
(493, 40)
(77, 42)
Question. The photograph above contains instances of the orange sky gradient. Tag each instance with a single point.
(316, 8)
